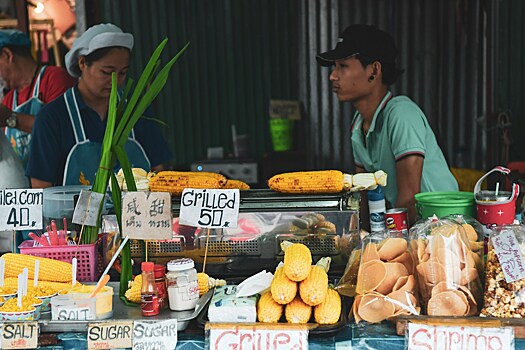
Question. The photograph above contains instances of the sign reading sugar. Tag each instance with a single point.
(209, 208)
(155, 335)
(21, 209)
(110, 335)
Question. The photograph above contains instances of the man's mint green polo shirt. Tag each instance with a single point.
(399, 129)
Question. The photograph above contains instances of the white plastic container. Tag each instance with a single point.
(183, 288)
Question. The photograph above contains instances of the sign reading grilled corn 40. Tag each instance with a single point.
(209, 208)
(21, 209)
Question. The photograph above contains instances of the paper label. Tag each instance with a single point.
(425, 337)
(258, 336)
(87, 208)
(20, 335)
(287, 109)
(74, 313)
(155, 335)
(147, 215)
(110, 335)
(21, 209)
(509, 255)
(209, 208)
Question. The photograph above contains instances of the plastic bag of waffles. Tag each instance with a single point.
(386, 285)
(505, 299)
(447, 268)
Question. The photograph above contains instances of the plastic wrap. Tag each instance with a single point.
(386, 285)
(503, 299)
(447, 268)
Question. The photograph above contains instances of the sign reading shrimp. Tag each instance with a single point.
(256, 337)
(426, 337)
(209, 208)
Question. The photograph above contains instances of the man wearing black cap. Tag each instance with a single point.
(388, 133)
(31, 86)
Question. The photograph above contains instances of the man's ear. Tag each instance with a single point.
(8, 53)
(376, 68)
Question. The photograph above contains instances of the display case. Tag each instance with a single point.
(327, 223)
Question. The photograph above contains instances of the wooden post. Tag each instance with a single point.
(22, 16)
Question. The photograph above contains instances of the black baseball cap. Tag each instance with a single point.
(365, 40)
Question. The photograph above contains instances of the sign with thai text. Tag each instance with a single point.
(110, 335)
(20, 335)
(155, 335)
(147, 215)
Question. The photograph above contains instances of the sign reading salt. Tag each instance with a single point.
(21, 209)
(209, 208)
(20, 335)
(509, 255)
(147, 215)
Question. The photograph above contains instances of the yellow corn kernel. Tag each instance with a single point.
(236, 184)
(297, 311)
(282, 289)
(267, 309)
(297, 260)
(323, 181)
(313, 288)
(133, 293)
(50, 270)
(206, 282)
(176, 181)
(329, 311)
(12, 282)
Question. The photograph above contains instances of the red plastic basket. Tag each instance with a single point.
(88, 262)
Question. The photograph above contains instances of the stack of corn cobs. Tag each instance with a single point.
(300, 289)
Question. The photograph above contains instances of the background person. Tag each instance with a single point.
(388, 133)
(31, 86)
(68, 132)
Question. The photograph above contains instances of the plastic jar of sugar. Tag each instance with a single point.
(183, 288)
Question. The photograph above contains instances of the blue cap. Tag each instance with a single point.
(12, 37)
(377, 194)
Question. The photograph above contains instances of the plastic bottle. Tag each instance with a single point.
(149, 301)
(377, 207)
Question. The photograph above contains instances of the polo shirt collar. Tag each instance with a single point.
(380, 107)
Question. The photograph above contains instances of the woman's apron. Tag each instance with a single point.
(21, 140)
(84, 157)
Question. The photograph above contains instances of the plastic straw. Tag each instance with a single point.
(497, 190)
(24, 280)
(35, 276)
(74, 278)
(2, 267)
(124, 241)
(19, 292)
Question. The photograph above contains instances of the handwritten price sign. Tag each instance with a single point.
(509, 255)
(209, 208)
(425, 337)
(21, 209)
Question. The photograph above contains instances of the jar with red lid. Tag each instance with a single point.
(160, 282)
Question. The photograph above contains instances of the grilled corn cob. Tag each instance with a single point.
(175, 182)
(297, 260)
(234, 184)
(297, 311)
(282, 289)
(323, 181)
(313, 288)
(267, 309)
(133, 293)
(50, 270)
(206, 282)
(329, 311)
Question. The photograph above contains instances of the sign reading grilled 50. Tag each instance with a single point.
(209, 208)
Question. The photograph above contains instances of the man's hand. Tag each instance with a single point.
(408, 175)
(4, 114)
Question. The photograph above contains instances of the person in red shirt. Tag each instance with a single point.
(30, 87)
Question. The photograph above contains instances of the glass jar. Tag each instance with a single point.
(183, 288)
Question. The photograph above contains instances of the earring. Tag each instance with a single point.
(371, 78)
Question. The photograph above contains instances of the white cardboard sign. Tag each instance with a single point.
(147, 215)
(88, 208)
(509, 255)
(209, 208)
(20, 335)
(110, 335)
(155, 335)
(256, 337)
(21, 209)
(426, 337)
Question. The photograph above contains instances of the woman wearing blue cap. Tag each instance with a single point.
(68, 133)
(388, 133)
(30, 87)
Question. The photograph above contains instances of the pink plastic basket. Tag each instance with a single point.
(88, 262)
